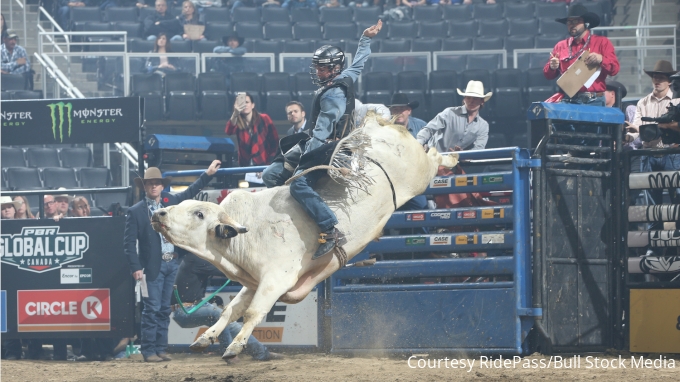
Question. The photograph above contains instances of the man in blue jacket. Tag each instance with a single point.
(156, 259)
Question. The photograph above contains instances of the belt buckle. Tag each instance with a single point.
(168, 256)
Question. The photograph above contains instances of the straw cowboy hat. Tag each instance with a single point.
(152, 173)
(475, 89)
(401, 99)
(69, 197)
(579, 10)
(662, 67)
(8, 200)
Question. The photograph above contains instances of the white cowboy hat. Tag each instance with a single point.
(8, 200)
(475, 89)
(68, 197)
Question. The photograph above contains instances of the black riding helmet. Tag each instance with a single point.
(327, 55)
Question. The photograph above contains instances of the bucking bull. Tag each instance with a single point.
(385, 167)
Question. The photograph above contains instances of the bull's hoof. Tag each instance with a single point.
(228, 355)
(200, 344)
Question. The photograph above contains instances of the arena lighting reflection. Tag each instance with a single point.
(243, 184)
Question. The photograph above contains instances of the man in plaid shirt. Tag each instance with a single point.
(14, 57)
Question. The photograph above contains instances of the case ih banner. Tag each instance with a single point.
(66, 279)
(92, 120)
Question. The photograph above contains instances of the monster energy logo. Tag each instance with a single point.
(60, 106)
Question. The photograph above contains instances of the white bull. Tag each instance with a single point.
(273, 261)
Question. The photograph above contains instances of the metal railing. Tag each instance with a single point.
(302, 57)
(502, 52)
(270, 56)
(50, 36)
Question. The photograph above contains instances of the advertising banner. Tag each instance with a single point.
(66, 279)
(92, 120)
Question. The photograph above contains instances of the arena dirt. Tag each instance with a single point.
(316, 367)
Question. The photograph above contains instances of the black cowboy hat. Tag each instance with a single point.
(225, 39)
(662, 67)
(401, 99)
(616, 85)
(579, 10)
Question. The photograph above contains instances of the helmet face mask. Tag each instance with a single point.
(327, 63)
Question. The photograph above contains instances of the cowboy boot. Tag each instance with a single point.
(328, 241)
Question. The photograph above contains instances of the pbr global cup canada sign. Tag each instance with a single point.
(95, 120)
(42, 249)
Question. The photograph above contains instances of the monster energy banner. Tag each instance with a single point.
(93, 120)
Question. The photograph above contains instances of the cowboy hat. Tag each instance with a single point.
(579, 10)
(475, 89)
(662, 67)
(401, 99)
(616, 85)
(8, 200)
(12, 34)
(152, 173)
(69, 197)
(225, 39)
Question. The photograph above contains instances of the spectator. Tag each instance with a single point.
(64, 11)
(62, 202)
(24, 209)
(14, 57)
(80, 207)
(402, 108)
(242, 3)
(411, 3)
(3, 26)
(202, 4)
(486, 1)
(294, 4)
(256, 134)
(161, 64)
(8, 207)
(610, 94)
(189, 17)
(296, 115)
(154, 260)
(459, 128)
(50, 207)
(161, 22)
(232, 44)
(330, 4)
(192, 280)
(271, 3)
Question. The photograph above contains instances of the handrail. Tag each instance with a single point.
(271, 56)
(55, 24)
(63, 77)
(53, 75)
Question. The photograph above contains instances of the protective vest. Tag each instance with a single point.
(342, 126)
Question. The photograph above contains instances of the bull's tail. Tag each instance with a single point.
(449, 160)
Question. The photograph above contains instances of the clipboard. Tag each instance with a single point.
(578, 75)
(194, 31)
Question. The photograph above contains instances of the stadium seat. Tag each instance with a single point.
(538, 88)
(361, 27)
(487, 43)
(518, 42)
(507, 98)
(307, 31)
(551, 10)
(275, 14)
(12, 82)
(139, 45)
(76, 157)
(547, 41)
(436, 29)
(598, 8)
(496, 140)
(395, 45)
(427, 13)
(55, 177)
(393, 64)
(454, 62)
(149, 87)
(180, 94)
(42, 157)
(351, 46)
(137, 65)
(249, 29)
(216, 15)
(550, 26)
(456, 43)
(26, 94)
(488, 11)
(268, 46)
(212, 96)
(113, 14)
(23, 178)
(457, 12)
(489, 62)
(489, 28)
(295, 46)
(278, 30)
(246, 82)
(247, 14)
(215, 31)
(204, 46)
(80, 15)
(523, 27)
(377, 87)
(335, 15)
(106, 199)
(303, 15)
(276, 89)
(146, 12)
(94, 177)
(523, 10)
(442, 85)
(338, 30)
(12, 157)
(414, 84)
(133, 28)
(427, 44)
(401, 30)
(366, 14)
(468, 28)
(304, 90)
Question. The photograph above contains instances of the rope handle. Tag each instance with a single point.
(343, 171)
(200, 304)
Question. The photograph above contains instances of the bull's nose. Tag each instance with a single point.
(162, 213)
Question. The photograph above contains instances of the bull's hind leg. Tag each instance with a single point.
(272, 287)
(232, 312)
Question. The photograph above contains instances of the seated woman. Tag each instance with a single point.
(189, 16)
(24, 209)
(256, 134)
(161, 64)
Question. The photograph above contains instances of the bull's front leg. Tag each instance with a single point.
(232, 312)
(265, 297)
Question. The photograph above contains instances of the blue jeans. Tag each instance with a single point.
(597, 101)
(207, 315)
(156, 313)
(670, 162)
(275, 175)
(302, 190)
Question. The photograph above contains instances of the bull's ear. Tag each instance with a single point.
(225, 231)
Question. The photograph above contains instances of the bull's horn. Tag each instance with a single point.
(242, 229)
